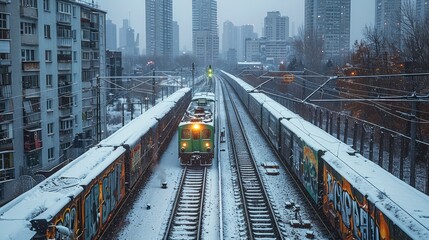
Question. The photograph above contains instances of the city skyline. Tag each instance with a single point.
(362, 13)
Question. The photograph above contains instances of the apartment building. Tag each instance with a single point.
(48, 84)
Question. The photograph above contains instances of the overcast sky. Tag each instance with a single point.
(239, 12)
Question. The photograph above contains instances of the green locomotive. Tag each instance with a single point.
(197, 131)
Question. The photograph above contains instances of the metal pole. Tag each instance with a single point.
(123, 115)
(413, 131)
(98, 109)
(193, 78)
(153, 88)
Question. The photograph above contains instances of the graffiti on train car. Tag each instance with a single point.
(351, 209)
(310, 171)
(68, 219)
(107, 192)
(135, 163)
(113, 191)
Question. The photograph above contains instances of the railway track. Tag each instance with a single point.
(258, 212)
(186, 218)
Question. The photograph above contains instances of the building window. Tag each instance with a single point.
(47, 31)
(46, 5)
(4, 21)
(86, 56)
(75, 56)
(50, 153)
(64, 31)
(6, 166)
(50, 128)
(28, 28)
(28, 55)
(29, 3)
(48, 80)
(30, 81)
(64, 7)
(64, 56)
(49, 105)
(48, 56)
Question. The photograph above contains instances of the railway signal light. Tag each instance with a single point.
(210, 71)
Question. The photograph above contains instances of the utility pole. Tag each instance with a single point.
(193, 78)
(153, 88)
(98, 109)
(413, 134)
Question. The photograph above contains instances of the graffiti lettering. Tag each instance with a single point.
(92, 216)
(353, 214)
(67, 220)
(111, 191)
(310, 172)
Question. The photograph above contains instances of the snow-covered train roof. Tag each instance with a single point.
(274, 106)
(204, 95)
(243, 84)
(134, 129)
(47, 198)
(408, 206)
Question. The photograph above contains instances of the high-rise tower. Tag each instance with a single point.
(205, 38)
(388, 19)
(276, 27)
(329, 22)
(159, 28)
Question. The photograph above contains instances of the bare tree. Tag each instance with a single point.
(415, 37)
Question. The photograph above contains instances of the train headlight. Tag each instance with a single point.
(208, 147)
(207, 144)
(183, 147)
(196, 126)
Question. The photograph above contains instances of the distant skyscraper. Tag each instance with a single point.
(159, 28)
(245, 32)
(276, 27)
(205, 39)
(111, 41)
(422, 7)
(329, 21)
(123, 33)
(229, 38)
(388, 18)
(176, 40)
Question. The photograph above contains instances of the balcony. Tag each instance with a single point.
(65, 89)
(32, 139)
(31, 92)
(8, 173)
(33, 118)
(31, 66)
(95, 64)
(86, 64)
(5, 92)
(28, 12)
(63, 18)
(64, 66)
(4, 34)
(64, 42)
(66, 112)
(6, 140)
(29, 39)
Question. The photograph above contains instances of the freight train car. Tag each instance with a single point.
(196, 131)
(80, 200)
(358, 198)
